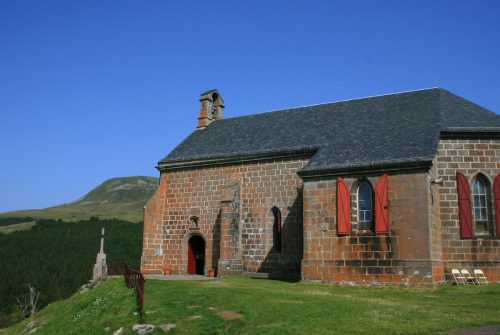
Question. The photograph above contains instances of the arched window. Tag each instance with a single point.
(481, 203)
(277, 229)
(365, 206)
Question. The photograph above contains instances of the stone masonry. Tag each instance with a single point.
(203, 192)
(400, 257)
(471, 157)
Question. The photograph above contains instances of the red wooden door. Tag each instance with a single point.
(191, 259)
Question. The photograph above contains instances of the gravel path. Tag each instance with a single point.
(178, 277)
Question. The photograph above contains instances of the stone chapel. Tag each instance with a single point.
(392, 189)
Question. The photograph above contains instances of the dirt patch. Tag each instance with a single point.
(195, 317)
(194, 306)
(476, 331)
(230, 315)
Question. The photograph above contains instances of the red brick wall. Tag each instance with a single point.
(401, 257)
(469, 156)
(199, 191)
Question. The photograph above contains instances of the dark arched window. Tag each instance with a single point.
(365, 206)
(481, 203)
(277, 229)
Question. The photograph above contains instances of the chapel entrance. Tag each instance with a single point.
(196, 255)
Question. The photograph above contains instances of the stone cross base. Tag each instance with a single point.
(100, 267)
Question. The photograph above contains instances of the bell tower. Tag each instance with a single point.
(211, 108)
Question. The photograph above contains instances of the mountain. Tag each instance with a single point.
(121, 198)
(120, 190)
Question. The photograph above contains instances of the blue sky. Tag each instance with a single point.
(91, 90)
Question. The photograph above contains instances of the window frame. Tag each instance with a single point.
(482, 226)
(365, 225)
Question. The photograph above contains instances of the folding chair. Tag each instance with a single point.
(457, 276)
(480, 277)
(468, 278)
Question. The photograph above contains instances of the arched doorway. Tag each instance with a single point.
(196, 255)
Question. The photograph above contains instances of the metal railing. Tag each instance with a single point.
(115, 267)
(135, 279)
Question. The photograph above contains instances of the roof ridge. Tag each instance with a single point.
(334, 102)
(362, 131)
(371, 96)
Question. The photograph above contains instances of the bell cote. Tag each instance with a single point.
(211, 108)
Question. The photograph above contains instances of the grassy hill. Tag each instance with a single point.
(121, 198)
(256, 306)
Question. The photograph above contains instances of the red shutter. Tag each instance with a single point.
(464, 207)
(381, 206)
(343, 208)
(496, 190)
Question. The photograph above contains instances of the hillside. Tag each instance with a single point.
(121, 198)
(248, 306)
(57, 258)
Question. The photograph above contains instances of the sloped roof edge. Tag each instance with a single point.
(356, 133)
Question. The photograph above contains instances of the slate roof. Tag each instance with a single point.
(388, 130)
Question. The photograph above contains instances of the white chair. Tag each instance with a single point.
(467, 276)
(457, 276)
(480, 277)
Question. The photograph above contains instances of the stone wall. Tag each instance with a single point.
(203, 193)
(153, 229)
(233, 205)
(469, 156)
(400, 257)
(435, 227)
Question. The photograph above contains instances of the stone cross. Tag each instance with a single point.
(100, 267)
(102, 241)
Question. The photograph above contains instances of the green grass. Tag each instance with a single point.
(274, 307)
(110, 304)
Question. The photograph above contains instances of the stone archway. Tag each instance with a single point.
(196, 255)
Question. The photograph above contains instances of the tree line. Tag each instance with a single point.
(10, 221)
